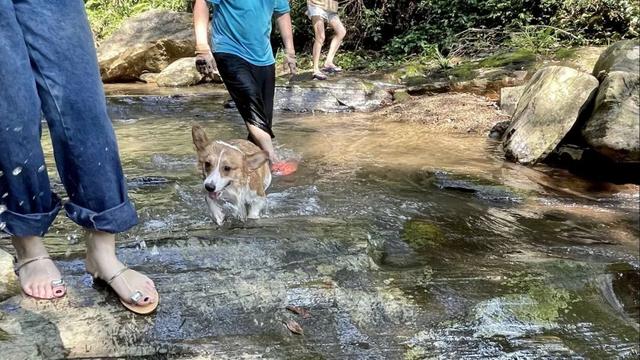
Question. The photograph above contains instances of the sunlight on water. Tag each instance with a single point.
(502, 255)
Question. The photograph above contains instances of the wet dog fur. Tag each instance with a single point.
(235, 172)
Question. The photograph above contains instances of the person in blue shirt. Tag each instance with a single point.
(242, 54)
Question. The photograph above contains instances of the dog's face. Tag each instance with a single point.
(224, 166)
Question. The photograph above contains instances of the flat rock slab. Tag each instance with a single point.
(550, 105)
(343, 94)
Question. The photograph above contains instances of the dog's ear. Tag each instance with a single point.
(200, 139)
(256, 160)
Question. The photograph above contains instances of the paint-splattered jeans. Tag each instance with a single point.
(48, 66)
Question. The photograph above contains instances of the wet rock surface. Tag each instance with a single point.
(147, 42)
(550, 105)
(387, 240)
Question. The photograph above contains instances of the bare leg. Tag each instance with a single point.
(318, 28)
(36, 277)
(340, 32)
(263, 140)
(102, 262)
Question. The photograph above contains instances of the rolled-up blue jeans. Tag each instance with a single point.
(48, 66)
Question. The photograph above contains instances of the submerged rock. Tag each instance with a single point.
(147, 42)
(345, 94)
(182, 72)
(421, 234)
(550, 105)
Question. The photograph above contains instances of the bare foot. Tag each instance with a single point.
(102, 263)
(39, 278)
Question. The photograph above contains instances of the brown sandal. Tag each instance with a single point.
(135, 297)
(54, 283)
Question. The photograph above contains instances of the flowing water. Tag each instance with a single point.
(401, 243)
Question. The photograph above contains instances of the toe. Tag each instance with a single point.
(48, 291)
(28, 290)
(38, 291)
(59, 291)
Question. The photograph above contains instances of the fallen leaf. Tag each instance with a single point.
(294, 327)
(299, 310)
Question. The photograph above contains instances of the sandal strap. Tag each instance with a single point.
(120, 272)
(20, 265)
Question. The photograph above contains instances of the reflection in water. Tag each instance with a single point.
(480, 256)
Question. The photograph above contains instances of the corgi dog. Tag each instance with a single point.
(235, 172)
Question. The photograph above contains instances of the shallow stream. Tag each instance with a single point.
(402, 244)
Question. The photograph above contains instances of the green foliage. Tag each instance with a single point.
(384, 32)
(105, 16)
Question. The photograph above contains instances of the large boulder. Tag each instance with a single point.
(550, 105)
(147, 42)
(180, 73)
(621, 56)
(614, 127)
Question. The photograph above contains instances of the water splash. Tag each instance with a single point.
(17, 171)
(41, 168)
(3, 225)
(3, 208)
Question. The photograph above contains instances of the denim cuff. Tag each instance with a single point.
(115, 220)
(37, 224)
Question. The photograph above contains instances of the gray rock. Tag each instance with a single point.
(509, 97)
(498, 130)
(549, 107)
(147, 42)
(621, 56)
(345, 94)
(8, 280)
(149, 78)
(182, 72)
(614, 127)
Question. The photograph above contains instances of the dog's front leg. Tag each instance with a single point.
(256, 206)
(215, 210)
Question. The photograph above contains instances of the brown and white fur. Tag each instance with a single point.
(235, 172)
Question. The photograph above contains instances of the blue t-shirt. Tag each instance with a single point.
(243, 28)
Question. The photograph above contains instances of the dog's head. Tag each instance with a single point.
(224, 166)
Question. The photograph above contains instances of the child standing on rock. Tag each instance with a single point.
(320, 11)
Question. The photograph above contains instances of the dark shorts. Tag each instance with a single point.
(251, 87)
